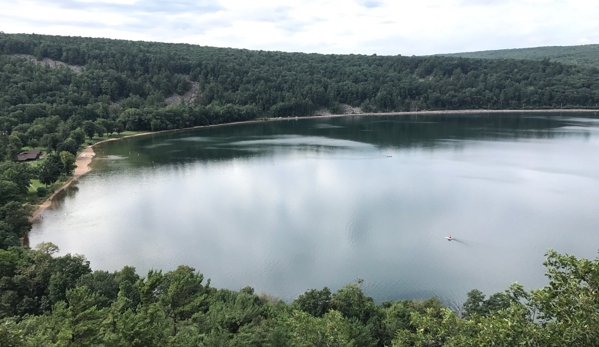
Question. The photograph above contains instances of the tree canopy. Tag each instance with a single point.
(587, 55)
(52, 300)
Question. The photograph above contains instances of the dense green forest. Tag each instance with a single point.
(50, 300)
(59, 93)
(587, 55)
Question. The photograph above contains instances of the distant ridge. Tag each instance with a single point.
(577, 55)
(151, 86)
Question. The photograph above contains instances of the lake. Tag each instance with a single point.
(286, 206)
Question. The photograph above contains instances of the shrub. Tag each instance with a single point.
(42, 191)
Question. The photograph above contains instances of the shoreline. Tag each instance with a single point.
(86, 156)
(81, 168)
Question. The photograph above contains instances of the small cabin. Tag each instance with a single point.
(33, 154)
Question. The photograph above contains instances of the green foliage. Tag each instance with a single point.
(68, 162)
(105, 124)
(49, 171)
(51, 141)
(232, 312)
(18, 173)
(14, 147)
(57, 300)
(476, 303)
(89, 128)
(397, 316)
(354, 304)
(100, 130)
(118, 128)
(183, 294)
(3, 146)
(78, 136)
(314, 302)
(579, 55)
(15, 215)
(332, 329)
(7, 237)
(10, 336)
(568, 306)
(41, 192)
(14, 222)
(67, 271)
(78, 319)
(9, 191)
(103, 284)
(68, 145)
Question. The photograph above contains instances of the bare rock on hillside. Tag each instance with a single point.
(54, 64)
(192, 95)
(347, 109)
(344, 109)
(322, 112)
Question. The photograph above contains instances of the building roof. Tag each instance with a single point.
(32, 154)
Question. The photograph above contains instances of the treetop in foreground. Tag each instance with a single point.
(50, 300)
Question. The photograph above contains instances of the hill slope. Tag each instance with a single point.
(579, 55)
(121, 75)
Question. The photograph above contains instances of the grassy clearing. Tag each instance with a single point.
(34, 199)
(34, 185)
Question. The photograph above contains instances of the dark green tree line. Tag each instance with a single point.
(50, 300)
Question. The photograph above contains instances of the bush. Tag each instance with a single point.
(42, 191)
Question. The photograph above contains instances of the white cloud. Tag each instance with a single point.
(333, 26)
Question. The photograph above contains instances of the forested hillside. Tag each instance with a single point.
(586, 55)
(239, 84)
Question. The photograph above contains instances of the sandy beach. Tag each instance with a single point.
(85, 157)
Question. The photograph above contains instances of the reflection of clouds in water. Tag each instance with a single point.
(511, 180)
(577, 130)
(192, 139)
(358, 228)
(327, 126)
(156, 145)
(303, 141)
(590, 121)
(113, 157)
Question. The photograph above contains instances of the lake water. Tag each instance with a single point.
(285, 206)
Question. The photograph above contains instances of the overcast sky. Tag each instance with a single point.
(388, 27)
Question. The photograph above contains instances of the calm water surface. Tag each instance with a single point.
(292, 205)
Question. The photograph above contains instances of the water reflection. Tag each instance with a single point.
(292, 205)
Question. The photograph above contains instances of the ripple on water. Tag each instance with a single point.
(358, 230)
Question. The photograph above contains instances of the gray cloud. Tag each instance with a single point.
(50, 21)
(323, 26)
(295, 26)
(484, 2)
(147, 6)
(278, 14)
(369, 3)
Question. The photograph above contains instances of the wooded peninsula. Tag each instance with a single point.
(59, 94)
